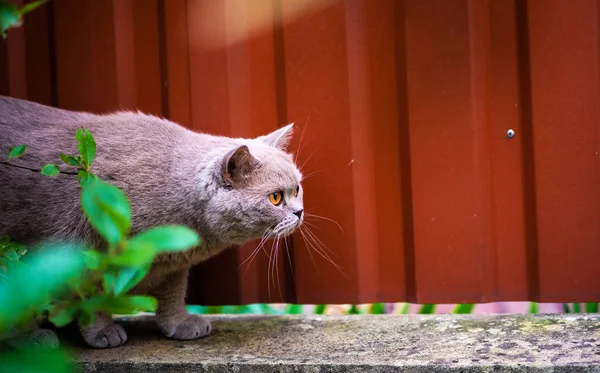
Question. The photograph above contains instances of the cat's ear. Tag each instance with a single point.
(237, 165)
(279, 138)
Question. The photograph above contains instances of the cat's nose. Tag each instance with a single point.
(299, 213)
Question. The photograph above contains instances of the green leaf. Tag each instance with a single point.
(566, 308)
(353, 310)
(293, 309)
(320, 309)
(29, 283)
(591, 307)
(124, 304)
(135, 257)
(32, 6)
(86, 178)
(71, 160)
(108, 281)
(164, 238)
(533, 307)
(128, 278)
(427, 309)
(107, 209)
(377, 309)
(87, 146)
(50, 170)
(11, 254)
(464, 308)
(576, 308)
(9, 17)
(92, 259)
(36, 361)
(405, 309)
(16, 151)
(63, 313)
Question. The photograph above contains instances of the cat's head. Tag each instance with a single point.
(260, 193)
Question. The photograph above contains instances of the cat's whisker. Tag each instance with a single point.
(321, 252)
(322, 245)
(277, 266)
(301, 168)
(304, 177)
(309, 215)
(311, 224)
(302, 137)
(312, 259)
(254, 253)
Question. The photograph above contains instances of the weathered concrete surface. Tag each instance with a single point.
(386, 343)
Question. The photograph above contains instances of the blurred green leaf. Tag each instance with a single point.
(108, 282)
(377, 309)
(135, 257)
(36, 361)
(127, 278)
(32, 6)
(10, 254)
(50, 170)
(29, 283)
(320, 309)
(566, 308)
(92, 259)
(87, 146)
(591, 307)
(71, 160)
(86, 178)
(353, 310)
(124, 304)
(576, 308)
(294, 309)
(19, 150)
(464, 308)
(164, 238)
(9, 17)
(427, 309)
(107, 209)
(62, 313)
(533, 307)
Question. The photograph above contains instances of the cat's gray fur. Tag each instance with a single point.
(216, 185)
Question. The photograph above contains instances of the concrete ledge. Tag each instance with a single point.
(385, 343)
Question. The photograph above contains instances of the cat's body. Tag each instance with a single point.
(218, 186)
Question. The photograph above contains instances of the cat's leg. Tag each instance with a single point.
(35, 338)
(171, 316)
(104, 332)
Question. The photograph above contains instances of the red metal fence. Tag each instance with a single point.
(405, 107)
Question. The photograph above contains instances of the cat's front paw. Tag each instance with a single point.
(109, 336)
(36, 339)
(185, 327)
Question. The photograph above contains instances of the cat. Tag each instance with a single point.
(230, 190)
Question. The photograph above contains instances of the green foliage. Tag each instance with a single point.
(71, 283)
(377, 308)
(533, 307)
(36, 362)
(11, 16)
(16, 151)
(294, 309)
(427, 309)
(464, 308)
(591, 307)
(320, 309)
(50, 170)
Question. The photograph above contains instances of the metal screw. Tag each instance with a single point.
(510, 133)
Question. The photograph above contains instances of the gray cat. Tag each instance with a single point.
(230, 190)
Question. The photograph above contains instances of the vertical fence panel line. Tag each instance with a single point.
(529, 191)
(480, 55)
(52, 56)
(162, 55)
(408, 227)
(282, 119)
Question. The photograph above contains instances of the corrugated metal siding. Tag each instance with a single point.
(402, 107)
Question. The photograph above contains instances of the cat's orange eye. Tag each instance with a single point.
(275, 198)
